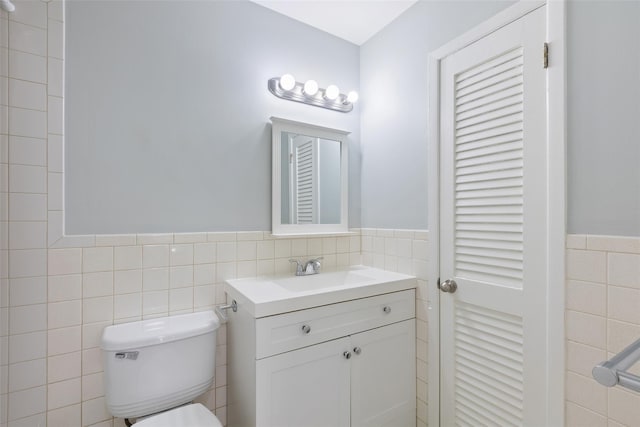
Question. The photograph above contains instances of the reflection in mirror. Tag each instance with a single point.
(310, 179)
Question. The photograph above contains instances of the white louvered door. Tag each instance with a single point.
(305, 167)
(493, 227)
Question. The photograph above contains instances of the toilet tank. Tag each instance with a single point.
(157, 364)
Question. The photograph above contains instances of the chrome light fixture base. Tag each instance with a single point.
(297, 94)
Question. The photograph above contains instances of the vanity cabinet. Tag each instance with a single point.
(346, 364)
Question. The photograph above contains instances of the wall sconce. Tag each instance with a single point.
(286, 87)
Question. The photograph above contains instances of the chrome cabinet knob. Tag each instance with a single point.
(387, 309)
(449, 286)
(357, 350)
(347, 355)
(306, 329)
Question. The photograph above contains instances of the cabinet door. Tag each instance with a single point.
(309, 387)
(383, 376)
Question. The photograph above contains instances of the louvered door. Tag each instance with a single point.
(305, 167)
(492, 228)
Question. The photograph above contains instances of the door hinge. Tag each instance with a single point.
(546, 55)
(438, 283)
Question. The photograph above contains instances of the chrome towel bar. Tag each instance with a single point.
(614, 371)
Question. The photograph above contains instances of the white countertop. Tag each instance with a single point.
(267, 296)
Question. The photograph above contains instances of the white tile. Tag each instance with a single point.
(54, 234)
(582, 358)
(65, 417)
(56, 184)
(24, 94)
(590, 266)
(27, 179)
(204, 296)
(94, 411)
(577, 416)
(92, 334)
(64, 288)
(27, 207)
(298, 249)
(181, 299)
(27, 38)
(624, 269)
(181, 254)
(586, 329)
(30, 123)
(154, 279)
(225, 271)
(329, 246)
(155, 302)
(128, 257)
(65, 261)
(92, 386)
(4, 100)
(26, 66)
(189, 238)
(127, 281)
(97, 259)
(246, 269)
(56, 77)
(64, 366)
(73, 241)
(33, 420)
(620, 335)
(28, 151)
(155, 256)
(342, 244)
(265, 249)
(390, 246)
(56, 39)
(27, 318)
(624, 407)
(624, 304)
(128, 305)
(64, 340)
(249, 235)
(97, 284)
(25, 291)
(4, 34)
(587, 297)
(204, 253)
(204, 274)
(65, 314)
(246, 251)
(226, 251)
(265, 267)
(30, 13)
(25, 347)
(26, 375)
(181, 276)
(64, 393)
(27, 402)
(614, 244)
(56, 10)
(55, 115)
(27, 235)
(282, 248)
(97, 309)
(221, 237)
(154, 239)
(92, 361)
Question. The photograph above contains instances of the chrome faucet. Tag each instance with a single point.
(310, 267)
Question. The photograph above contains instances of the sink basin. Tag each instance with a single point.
(321, 281)
(267, 296)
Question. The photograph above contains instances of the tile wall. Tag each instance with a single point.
(405, 251)
(602, 317)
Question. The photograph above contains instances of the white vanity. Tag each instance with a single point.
(334, 349)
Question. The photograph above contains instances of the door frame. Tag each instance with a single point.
(556, 173)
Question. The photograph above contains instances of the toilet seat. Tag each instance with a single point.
(194, 415)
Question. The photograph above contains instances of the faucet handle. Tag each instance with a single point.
(299, 266)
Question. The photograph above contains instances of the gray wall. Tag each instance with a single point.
(167, 112)
(603, 40)
(603, 47)
(393, 80)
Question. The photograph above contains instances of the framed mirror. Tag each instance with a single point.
(309, 179)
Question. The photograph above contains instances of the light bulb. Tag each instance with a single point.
(331, 92)
(352, 96)
(310, 87)
(287, 82)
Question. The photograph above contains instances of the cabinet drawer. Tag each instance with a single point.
(286, 332)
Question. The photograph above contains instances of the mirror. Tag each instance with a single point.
(309, 177)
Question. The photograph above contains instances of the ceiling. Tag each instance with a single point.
(353, 20)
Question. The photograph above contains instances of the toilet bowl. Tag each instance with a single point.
(154, 368)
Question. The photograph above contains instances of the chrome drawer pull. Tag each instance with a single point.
(306, 329)
(387, 309)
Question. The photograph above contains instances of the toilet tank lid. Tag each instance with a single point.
(157, 331)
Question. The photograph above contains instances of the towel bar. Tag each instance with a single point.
(614, 371)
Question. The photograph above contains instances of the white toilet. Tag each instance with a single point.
(153, 369)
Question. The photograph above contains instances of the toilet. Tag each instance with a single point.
(153, 369)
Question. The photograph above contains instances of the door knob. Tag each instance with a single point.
(357, 350)
(449, 286)
(347, 355)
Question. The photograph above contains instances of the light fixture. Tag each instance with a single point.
(332, 92)
(286, 87)
(287, 82)
(310, 88)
